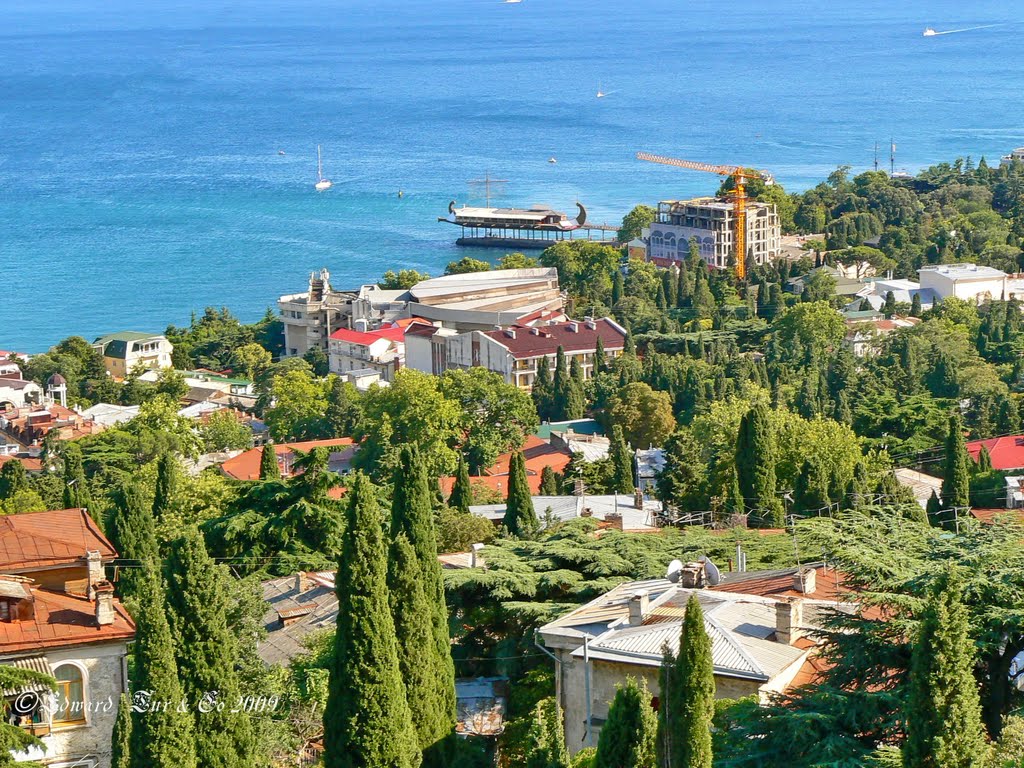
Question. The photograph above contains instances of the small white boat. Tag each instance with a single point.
(600, 93)
(321, 182)
(552, 160)
(512, 1)
(929, 32)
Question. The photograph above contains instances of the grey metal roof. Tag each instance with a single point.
(284, 642)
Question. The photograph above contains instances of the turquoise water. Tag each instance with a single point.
(140, 178)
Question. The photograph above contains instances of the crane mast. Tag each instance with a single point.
(740, 176)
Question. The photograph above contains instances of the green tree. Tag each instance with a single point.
(687, 696)
(420, 611)
(343, 409)
(622, 462)
(548, 482)
(76, 490)
(814, 328)
(889, 307)
(517, 261)
(462, 494)
(12, 478)
(251, 360)
(367, 722)
(299, 407)
(600, 362)
(465, 265)
(561, 388)
(14, 738)
(643, 414)
(520, 518)
(956, 474)
(683, 481)
(134, 533)
(402, 280)
(629, 735)
(120, 746)
(223, 431)
(269, 468)
(207, 654)
(318, 361)
(545, 740)
(162, 733)
(543, 391)
(943, 710)
(166, 486)
(634, 222)
(755, 465)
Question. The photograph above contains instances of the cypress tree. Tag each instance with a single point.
(599, 358)
(562, 386)
(543, 392)
(915, 306)
(520, 518)
(944, 727)
(269, 468)
(629, 734)
(367, 723)
(419, 610)
(76, 491)
(622, 462)
(576, 402)
(984, 460)
(120, 741)
(682, 287)
(617, 287)
(755, 465)
(207, 654)
(548, 482)
(687, 696)
(660, 300)
(576, 370)
(135, 534)
(629, 345)
(462, 493)
(934, 510)
(166, 484)
(956, 476)
(545, 740)
(889, 308)
(735, 502)
(162, 734)
(12, 478)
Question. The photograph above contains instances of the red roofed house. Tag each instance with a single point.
(246, 465)
(538, 454)
(59, 616)
(514, 352)
(1006, 452)
(382, 350)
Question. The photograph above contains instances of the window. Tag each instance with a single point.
(70, 708)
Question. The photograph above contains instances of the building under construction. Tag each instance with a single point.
(711, 221)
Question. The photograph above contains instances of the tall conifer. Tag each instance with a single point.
(462, 494)
(545, 740)
(166, 484)
(622, 462)
(367, 723)
(120, 740)
(687, 697)
(135, 534)
(269, 468)
(956, 475)
(755, 465)
(520, 518)
(543, 392)
(207, 654)
(629, 734)
(76, 491)
(548, 482)
(600, 360)
(562, 388)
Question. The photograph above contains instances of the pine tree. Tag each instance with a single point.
(367, 722)
(629, 735)
(755, 465)
(548, 482)
(543, 391)
(120, 742)
(269, 468)
(622, 462)
(561, 387)
(135, 534)
(687, 696)
(984, 460)
(915, 306)
(599, 358)
(207, 654)
(956, 476)
(520, 518)
(943, 715)
(166, 484)
(545, 740)
(76, 491)
(934, 510)
(889, 308)
(161, 734)
(462, 493)
(419, 609)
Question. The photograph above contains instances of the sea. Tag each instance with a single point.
(159, 157)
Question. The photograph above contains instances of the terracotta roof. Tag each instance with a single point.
(811, 672)
(538, 454)
(367, 338)
(61, 620)
(828, 584)
(1006, 452)
(545, 340)
(40, 539)
(30, 464)
(246, 465)
(989, 515)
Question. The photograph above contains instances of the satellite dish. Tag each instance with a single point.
(714, 576)
(674, 569)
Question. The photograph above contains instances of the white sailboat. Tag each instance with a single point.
(321, 182)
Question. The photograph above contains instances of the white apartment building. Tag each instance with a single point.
(964, 281)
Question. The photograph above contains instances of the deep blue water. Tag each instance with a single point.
(140, 178)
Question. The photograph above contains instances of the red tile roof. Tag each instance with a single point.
(778, 584)
(538, 454)
(61, 620)
(246, 465)
(545, 340)
(1006, 452)
(42, 539)
(367, 338)
(30, 464)
(990, 515)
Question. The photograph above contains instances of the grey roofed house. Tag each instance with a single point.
(118, 344)
(298, 606)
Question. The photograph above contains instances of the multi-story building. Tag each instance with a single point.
(1016, 156)
(59, 617)
(964, 281)
(123, 351)
(309, 318)
(381, 350)
(709, 221)
(515, 352)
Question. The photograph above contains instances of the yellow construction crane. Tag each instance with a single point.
(740, 177)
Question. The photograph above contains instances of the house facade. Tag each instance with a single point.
(123, 351)
(382, 351)
(59, 616)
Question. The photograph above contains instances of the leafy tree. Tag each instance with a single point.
(162, 734)
(462, 494)
(367, 722)
(343, 408)
(466, 264)
(458, 531)
(943, 714)
(224, 432)
(633, 222)
(520, 518)
(207, 654)
(299, 406)
(251, 360)
(12, 478)
(813, 328)
(643, 414)
(545, 741)
(683, 481)
(622, 462)
(318, 361)
(688, 696)
(517, 261)
(402, 280)
(956, 478)
(629, 734)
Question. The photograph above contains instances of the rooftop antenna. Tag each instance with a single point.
(487, 181)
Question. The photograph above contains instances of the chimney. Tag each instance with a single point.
(474, 555)
(591, 324)
(301, 582)
(573, 327)
(510, 332)
(638, 605)
(805, 580)
(789, 615)
(692, 575)
(104, 603)
(95, 564)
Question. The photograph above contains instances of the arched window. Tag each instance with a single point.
(70, 706)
